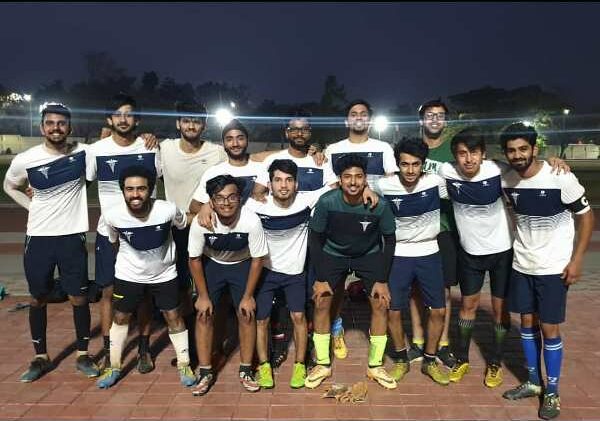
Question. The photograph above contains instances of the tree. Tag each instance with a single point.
(333, 99)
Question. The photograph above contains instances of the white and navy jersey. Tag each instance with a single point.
(229, 244)
(286, 230)
(146, 248)
(417, 213)
(59, 202)
(479, 211)
(248, 173)
(379, 156)
(543, 205)
(107, 160)
(310, 177)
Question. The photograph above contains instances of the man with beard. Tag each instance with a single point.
(145, 266)
(56, 225)
(545, 260)
(108, 158)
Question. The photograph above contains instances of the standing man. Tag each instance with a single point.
(141, 230)
(56, 225)
(545, 261)
(346, 236)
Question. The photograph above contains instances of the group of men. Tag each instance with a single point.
(409, 221)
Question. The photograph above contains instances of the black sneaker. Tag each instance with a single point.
(87, 366)
(145, 364)
(525, 390)
(37, 368)
(550, 407)
(415, 352)
(445, 357)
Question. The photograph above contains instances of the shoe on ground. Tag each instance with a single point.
(38, 367)
(382, 377)
(204, 384)
(550, 407)
(340, 350)
(400, 369)
(87, 366)
(144, 363)
(249, 382)
(445, 357)
(493, 375)
(298, 376)
(458, 371)
(524, 390)
(316, 376)
(265, 376)
(186, 375)
(108, 378)
(433, 370)
(415, 352)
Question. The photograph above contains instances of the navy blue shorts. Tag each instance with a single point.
(181, 246)
(294, 287)
(44, 254)
(106, 257)
(127, 296)
(472, 270)
(426, 271)
(545, 295)
(219, 277)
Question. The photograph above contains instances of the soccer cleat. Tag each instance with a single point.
(87, 366)
(186, 375)
(524, 390)
(265, 376)
(493, 375)
(298, 376)
(204, 384)
(108, 378)
(247, 380)
(550, 407)
(316, 376)
(145, 364)
(340, 350)
(458, 371)
(382, 377)
(37, 368)
(445, 357)
(400, 369)
(433, 371)
(415, 352)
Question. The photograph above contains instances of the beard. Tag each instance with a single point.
(522, 164)
(432, 135)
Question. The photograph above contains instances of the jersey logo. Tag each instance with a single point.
(212, 239)
(264, 216)
(140, 158)
(370, 155)
(543, 193)
(310, 171)
(457, 186)
(365, 224)
(158, 228)
(71, 159)
(238, 236)
(515, 196)
(485, 183)
(423, 194)
(111, 163)
(128, 235)
(44, 171)
(397, 202)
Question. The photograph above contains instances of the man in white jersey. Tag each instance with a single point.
(485, 244)
(414, 198)
(284, 217)
(108, 157)
(229, 256)
(545, 261)
(141, 230)
(56, 225)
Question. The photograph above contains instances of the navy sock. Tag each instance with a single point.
(532, 348)
(553, 353)
(38, 320)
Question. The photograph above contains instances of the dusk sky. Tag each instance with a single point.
(388, 53)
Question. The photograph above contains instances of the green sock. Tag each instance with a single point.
(322, 341)
(376, 350)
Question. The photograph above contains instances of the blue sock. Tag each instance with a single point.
(532, 348)
(553, 353)
(337, 327)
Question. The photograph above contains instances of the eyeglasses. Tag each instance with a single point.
(232, 198)
(297, 130)
(432, 116)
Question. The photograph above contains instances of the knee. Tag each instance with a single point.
(437, 313)
(37, 302)
(121, 318)
(298, 318)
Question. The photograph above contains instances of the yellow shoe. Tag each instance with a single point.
(433, 370)
(493, 375)
(382, 377)
(458, 371)
(400, 369)
(340, 350)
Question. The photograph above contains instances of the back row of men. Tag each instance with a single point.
(408, 221)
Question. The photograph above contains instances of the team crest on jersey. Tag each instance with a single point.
(212, 239)
(128, 235)
(44, 171)
(140, 158)
(310, 171)
(111, 163)
(365, 224)
(238, 236)
(543, 193)
(423, 194)
(71, 159)
(515, 196)
(264, 216)
(370, 155)
(457, 186)
(485, 183)
(397, 202)
(158, 228)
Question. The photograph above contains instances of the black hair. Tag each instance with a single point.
(358, 102)
(120, 100)
(56, 108)
(430, 104)
(234, 125)
(137, 171)
(518, 131)
(348, 161)
(413, 146)
(299, 114)
(284, 165)
(190, 110)
(472, 137)
(218, 183)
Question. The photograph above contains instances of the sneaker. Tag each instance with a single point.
(265, 376)
(550, 407)
(204, 384)
(400, 369)
(247, 380)
(458, 371)
(316, 376)
(525, 390)
(340, 350)
(415, 352)
(37, 368)
(186, 375)
(298, 376)
(108, 378)
(445, 357)
(87, 366)
(493, 375)
(382, 377)
(432, 370)
(144, 363)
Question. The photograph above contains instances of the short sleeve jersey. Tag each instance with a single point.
(248, 173)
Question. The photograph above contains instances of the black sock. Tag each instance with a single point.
(38, 320)
(143, 344)
(428, 359)
(204, 372)
(500, 331)
(465, 330)
(106, 345)
(246, 369)
(399, 356)
(81, 317)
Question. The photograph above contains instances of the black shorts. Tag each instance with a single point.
(43, 254)
(181, 246)
(369, 268)
(448, 244)
(127, 296)
(472, 272)
(105, 259)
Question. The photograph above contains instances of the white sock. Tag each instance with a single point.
(180, 342)
(118, 336)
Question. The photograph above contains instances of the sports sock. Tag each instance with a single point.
(399, 355)
(500, 331)
(322, 341)
(465, 330)
(532, 347)
(118, 336)
(38, 320)
(553, 353)
(180, 343)
(81, 317)
(376, 350)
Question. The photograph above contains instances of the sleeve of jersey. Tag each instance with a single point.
(179, 218)
(572, 194)
(389, 162)
(195, 239)
(90, 165)
(113, 234)
(329, 176)
(200, 194)
(313, 197)
(262, 177)
(157, 163)
(318, 222)
(16, 173)
(257, 240)
(442, 188)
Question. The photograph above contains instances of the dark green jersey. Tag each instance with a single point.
(351, 231)
(435, 159)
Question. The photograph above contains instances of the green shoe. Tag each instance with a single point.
(144, 363)
(298, 376)
(37, 368)
(87, 366)
(400, 369)
(433, 370)
(265, 376)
